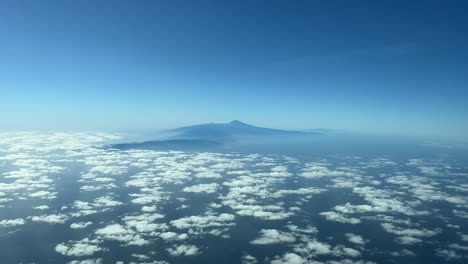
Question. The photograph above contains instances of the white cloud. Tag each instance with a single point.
(51, 219)
(356, 239)
(80, 225)
(342, 251)
(337, 217)
(184, 250)
(44, 195)
(247, 186)
(204, 221)
(248, 259)
(407, 240)
(120, 233)
(273, 236)
(12, 222)
(448, 254)
(79, 248)
(289, 258)
(206, 188)
(144, 223)
(313, 248)
(208, 174)
(172, 236)
(99, 204)
(458, 247)
(409, 232)
(140, 256)
(41, 207)
(149, 209)
(463, 237)
(86, 261)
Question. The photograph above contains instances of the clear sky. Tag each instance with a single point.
(377, 66)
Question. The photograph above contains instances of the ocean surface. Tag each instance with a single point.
(65, 198)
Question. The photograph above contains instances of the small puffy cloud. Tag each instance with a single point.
(408, 232)
(248, 259)
(407, 240)
(458, 247)
(183, 250)
(204, 221)
(463, 237)
(356, 239)
(12, 222)
(99, 204)
(144, 223)
(149, 209)
(279, 171)
(51, 219)
(44, 195)
(289, 258)
(140, 256)
(337, 217)
(79, 248)
(172, 236)
(273, 236)
(448, 254)
(80, 225)
(342, 251)
(300, 191)
(263, 212)
(86, 261)
(206, 188)
(313, 248)
(118, 232)
(41, 207)
(403, 253)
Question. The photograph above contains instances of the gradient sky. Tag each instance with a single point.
(376, 66)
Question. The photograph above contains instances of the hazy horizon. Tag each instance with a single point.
(374, 67)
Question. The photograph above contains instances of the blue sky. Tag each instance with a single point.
(375, 66)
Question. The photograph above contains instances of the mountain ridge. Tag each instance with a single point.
(231, 129)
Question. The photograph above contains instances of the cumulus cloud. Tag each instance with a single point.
(99, 204)
(86, 261)
(41, 207)
(133, 187)
(273, 236)
(80, 225)
(44, 195)
(206, 188)
(407, 240)
(204, 221)
(356, 239)
(118, 232)
(183, 250)
(248, 259)
(12, 222)
(208, 174)
(289, 258)
(172, 236)
(51, 219)
(337, 217)
(84, 247)
(408, 232)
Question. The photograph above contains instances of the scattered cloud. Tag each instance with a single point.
(273, 236)
(184, 250)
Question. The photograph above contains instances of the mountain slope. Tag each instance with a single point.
(169, 145)
(229, 130)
